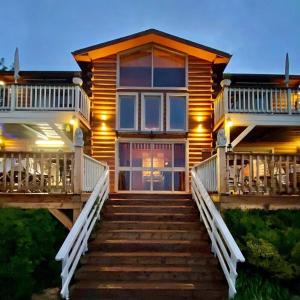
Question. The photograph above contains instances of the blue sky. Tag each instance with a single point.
(257, 33)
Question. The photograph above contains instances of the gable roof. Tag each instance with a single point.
(151, 36)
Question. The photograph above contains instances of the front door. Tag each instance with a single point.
(151, 166)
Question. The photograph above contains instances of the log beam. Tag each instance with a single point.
(60, 216)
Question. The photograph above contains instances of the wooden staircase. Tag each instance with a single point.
(149, 247)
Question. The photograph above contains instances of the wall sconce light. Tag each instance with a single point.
(103, 117)
(229, 122)
(2, 82)
(199, 128)
(73, 121)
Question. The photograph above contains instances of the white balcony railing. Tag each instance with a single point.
(44, 98)
(257, 101)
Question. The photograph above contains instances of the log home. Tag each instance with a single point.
(150, 123)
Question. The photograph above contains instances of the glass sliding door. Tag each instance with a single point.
(151, 166)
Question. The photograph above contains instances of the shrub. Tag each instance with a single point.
(256, 287)
(29, 240)
(270, 241)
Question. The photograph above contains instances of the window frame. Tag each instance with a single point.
(136, 112)
(161, 125)
(152, 69)
(168, 117)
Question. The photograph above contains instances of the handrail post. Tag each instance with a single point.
(78, 161)
(225, 84)
(13, 97)
(221, 162)
(77, 97)
(289, 100)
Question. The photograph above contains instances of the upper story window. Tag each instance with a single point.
(176, 112)
(152, 112)
(127, 111)
(152, 67)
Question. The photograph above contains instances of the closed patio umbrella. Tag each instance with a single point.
(16, 65)
(287, 70)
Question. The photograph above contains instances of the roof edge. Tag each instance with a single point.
(151, 31)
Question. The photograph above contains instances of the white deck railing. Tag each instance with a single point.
(44, 98)
(223, 244)
(76, 243)
(92, 169)
(256, 100)
(207, 173)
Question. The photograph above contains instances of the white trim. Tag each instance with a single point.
(186, 95)
(136, 111)
(152, 46)
(143, 116)
(242, 135)
(171, 169)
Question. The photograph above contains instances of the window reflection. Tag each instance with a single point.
(177, 112)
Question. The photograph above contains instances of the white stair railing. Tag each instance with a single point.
(223, 244)
(76, 243)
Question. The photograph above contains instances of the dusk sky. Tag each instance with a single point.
(257, 33)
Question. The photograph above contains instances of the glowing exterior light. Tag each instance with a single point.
(2, 82)
(229, 122)
(103, 117)
(52, 143)
(73, 121)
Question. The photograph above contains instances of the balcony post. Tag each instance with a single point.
(221, 162)
(289, 100)
(78, 161)
(77, 98)
(13, 97)
(225, 84)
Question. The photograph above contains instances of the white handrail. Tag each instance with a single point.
(207, 172)
(92, 169)
(76, 243)
(223, 244)
(33, 97)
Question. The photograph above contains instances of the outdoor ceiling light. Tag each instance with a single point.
(52, 143)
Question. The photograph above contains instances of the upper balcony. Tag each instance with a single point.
(245, 106)
(32, 102)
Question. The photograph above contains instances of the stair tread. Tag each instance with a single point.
(150, 254)
(147, 268)
(145, 285)
(187, 242)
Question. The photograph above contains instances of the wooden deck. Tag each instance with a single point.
(257, 202)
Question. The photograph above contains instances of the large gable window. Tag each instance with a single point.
(152, 67)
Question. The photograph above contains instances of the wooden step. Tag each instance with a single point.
(138, 234)
(163, 225)
(135, 273)
(149, 196)
(149, 245)
(150, 217)
(149, 258)
(149, 209)
(151, 202)
(148, 290)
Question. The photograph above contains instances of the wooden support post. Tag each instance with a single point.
(76, 213)
(78, 162)
(60, 216)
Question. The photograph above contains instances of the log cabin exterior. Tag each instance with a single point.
(149, 113)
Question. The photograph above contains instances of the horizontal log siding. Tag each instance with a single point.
(103, 109)
(200, 108)
(103, 103)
